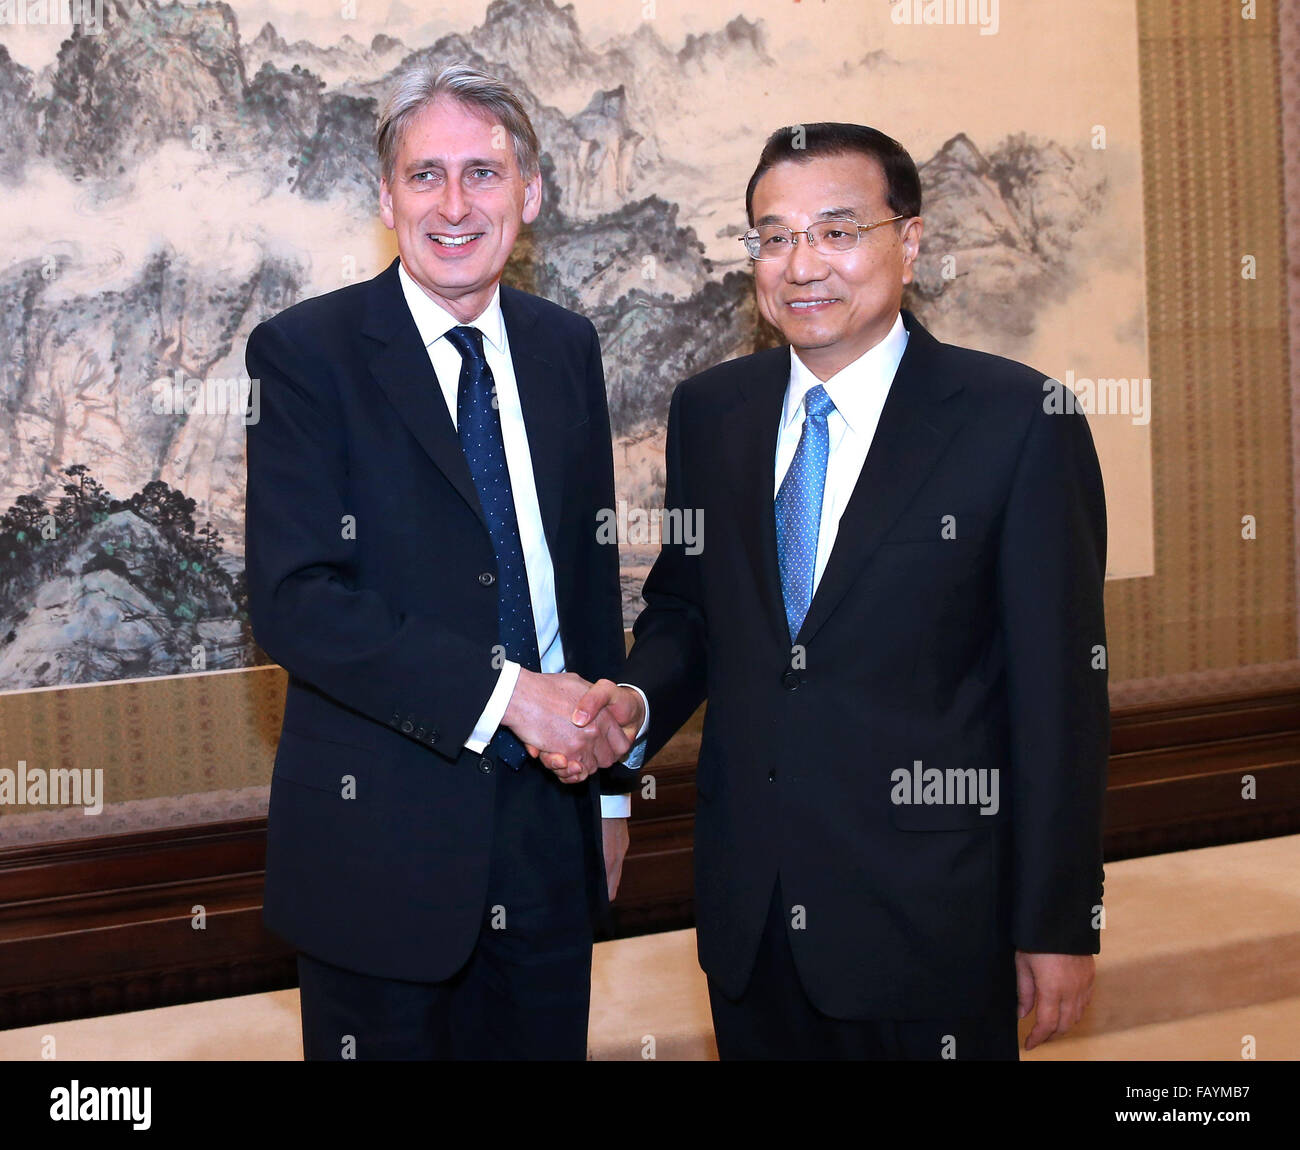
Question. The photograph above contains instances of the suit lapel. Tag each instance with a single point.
(400, 365)
(549, 406)
(920, 415)
(751, 455)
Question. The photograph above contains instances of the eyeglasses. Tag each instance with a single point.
(776, 241)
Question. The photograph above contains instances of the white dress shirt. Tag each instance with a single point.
(433, 323)
(858, 391)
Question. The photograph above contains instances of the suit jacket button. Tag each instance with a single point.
(408, 727)
(771, 776)
(433, 736)
(485, 765)
(487, 578)
(395, 720)
(790, 681)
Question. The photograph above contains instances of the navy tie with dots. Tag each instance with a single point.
(799, 508)
(478, 425)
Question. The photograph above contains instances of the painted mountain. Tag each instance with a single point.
(168, 183)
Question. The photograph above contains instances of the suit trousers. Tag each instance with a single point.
(524, 992)
(774, 1019)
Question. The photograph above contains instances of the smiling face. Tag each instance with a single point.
(456, 203)
(833, 307)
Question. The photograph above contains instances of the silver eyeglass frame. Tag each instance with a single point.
(753, 234)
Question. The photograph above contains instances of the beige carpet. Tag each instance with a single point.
(1200, 960)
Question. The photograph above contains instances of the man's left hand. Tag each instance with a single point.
(616, 840)
(1057, 987)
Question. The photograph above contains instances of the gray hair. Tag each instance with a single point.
(418, 86)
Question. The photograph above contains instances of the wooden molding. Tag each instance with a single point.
(1178, 773)
(102, 925)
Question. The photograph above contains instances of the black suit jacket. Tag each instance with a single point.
(372, 582)
(984, 651)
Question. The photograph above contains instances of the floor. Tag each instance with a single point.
(1200, 961)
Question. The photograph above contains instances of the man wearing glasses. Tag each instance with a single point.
(896, 617)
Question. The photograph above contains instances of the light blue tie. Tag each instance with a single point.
(799, 508)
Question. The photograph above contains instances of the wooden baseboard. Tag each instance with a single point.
(1180, 774)
(135, 921)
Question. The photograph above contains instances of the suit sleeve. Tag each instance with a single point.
(668, 657)
(603, 564)
(1052, 569)
(405, 670)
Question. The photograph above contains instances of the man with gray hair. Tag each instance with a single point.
(423, 489)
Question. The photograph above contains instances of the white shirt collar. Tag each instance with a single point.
(433, 321)
(856, 388)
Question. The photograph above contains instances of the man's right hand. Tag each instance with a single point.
(603, 704)
(541, 713)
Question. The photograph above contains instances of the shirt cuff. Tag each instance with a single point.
(615, 806)
(635, 759)
(494, 712)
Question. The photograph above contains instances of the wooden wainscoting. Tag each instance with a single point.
(97, 926)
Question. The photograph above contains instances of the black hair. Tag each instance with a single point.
(799, 143)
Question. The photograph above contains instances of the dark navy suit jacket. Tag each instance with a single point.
(973, 643)
(372, 582)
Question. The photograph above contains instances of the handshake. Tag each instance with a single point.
(574, 727)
